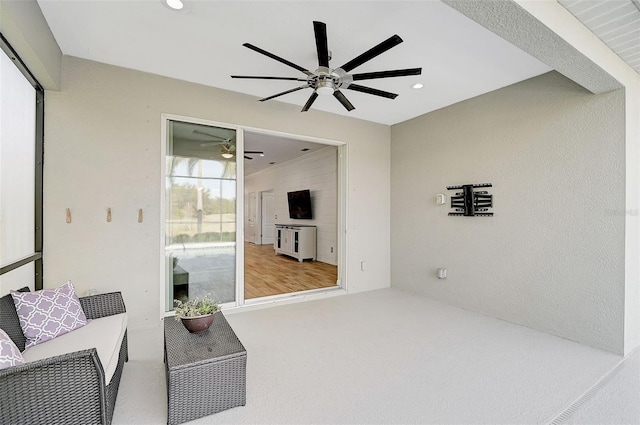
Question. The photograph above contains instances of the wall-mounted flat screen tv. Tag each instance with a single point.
(300, 204)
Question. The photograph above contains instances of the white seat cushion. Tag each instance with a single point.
(104, 334)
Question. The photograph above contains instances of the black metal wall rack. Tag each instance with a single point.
(470, 203)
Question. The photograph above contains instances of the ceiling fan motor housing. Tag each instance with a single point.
(343, 78)
(326, 80)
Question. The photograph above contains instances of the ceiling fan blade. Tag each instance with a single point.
(278, 58)
(345, 102)
(390, 42)
(246, 157)
(312, 99)
(215, 136)
(285, 92)
(259, 77)
(387, 74)
(320, 30)
(254, 152)
(369, 90)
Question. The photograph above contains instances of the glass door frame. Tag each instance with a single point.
(240, 301)
(239, 252)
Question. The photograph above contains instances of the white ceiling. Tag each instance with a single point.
(277, 150)
(202, 43)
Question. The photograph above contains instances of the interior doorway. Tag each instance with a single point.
(267, 220)
(290, 166)
(252, 219)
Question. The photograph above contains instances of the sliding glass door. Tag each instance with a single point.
(204, 193)
(200, 212)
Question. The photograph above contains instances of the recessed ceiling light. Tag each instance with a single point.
(417, 86)
(175, 4)
(261, 154)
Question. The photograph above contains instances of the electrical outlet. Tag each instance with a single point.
(442, 273)
(332, 250)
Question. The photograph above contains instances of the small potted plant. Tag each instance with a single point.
(196, 315)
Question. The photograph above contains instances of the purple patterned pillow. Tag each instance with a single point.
(48, 313)
(9, 353)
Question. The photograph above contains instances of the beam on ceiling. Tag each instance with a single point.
(508, 20)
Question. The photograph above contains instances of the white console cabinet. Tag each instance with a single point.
(297, 241)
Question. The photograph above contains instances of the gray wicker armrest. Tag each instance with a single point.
(67, 389)
(102, 305)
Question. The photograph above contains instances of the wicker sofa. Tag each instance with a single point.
(69, 388)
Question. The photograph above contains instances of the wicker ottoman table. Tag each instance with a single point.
(206, 372)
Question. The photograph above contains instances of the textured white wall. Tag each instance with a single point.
(318, 172)
(103, 141)
(552, 257)
(549, 32)
(559, 20)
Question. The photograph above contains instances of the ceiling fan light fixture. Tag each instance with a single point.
(417, 86)
(227, 155)
(175, 4)
(325, 87)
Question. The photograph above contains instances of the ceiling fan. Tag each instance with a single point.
(221, 140)
(329, 81)
(228, 150)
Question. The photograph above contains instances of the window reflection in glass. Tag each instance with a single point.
(200, 242)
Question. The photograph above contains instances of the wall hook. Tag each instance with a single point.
(108, 215)
(68, 213)
(140, 215)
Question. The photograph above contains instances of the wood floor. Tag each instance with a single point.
(266, 273)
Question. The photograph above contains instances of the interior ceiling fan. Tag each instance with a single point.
(227, 149)
(326, 80)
